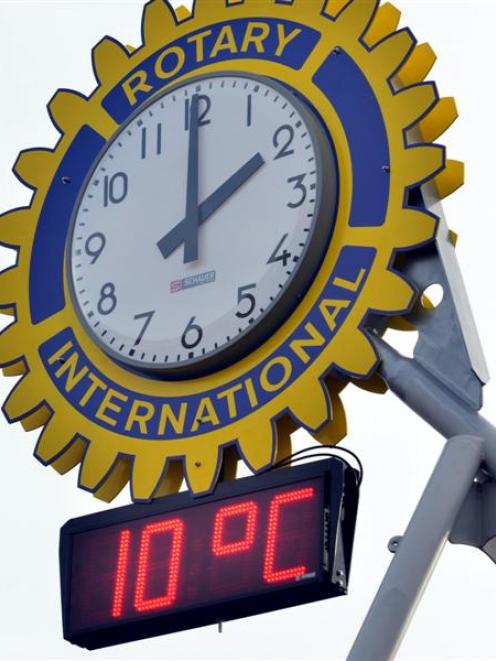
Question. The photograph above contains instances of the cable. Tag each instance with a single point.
(299, 456)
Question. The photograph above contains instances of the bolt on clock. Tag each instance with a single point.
(209, 245)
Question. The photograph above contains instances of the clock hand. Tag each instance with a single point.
(176, 237)
(191, 226)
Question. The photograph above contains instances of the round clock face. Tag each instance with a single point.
(202, 225)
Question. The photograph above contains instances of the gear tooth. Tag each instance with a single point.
(418, 66)
(440, 118)
(417, 228)
(97, 465)
(374, 384)
(10, 287)
(401, 324)
(450, 179)
(386, 21)
(24, 404)
(202, 466)
(159, 22)
(285, 427)
(426, 303)
(19, 368)
(357, 15)
(357, 355)
(182, 13)
(65, 109)
(32, 166)
(394, 296)
(258, 447)
(335, 430)
(414, 102)
(313, 410)
(230, 461)
(115, 481)
(453, 238)
(110, 60)
(9, 311)
(37, 419)
(54, 440)
(10, 341)
(146, 474)
(70, 458)
(334, 7)
(390, 53)
(315, 6)
(16, 227)
(422, 163)
(171, 481)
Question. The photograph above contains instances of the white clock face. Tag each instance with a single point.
(202, 224)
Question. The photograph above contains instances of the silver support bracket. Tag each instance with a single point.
(453, 505)
(419, 550)
(443, 385)
(448, 346)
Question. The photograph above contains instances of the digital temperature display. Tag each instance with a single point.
(257, 544)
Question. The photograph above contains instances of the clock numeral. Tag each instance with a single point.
(115, 189)
(147, 316)
(278, 139)
(204, 106)
(249, 110)
(243, 296)
(95, 245)
(192, 335)
(283, 257)
(144, 141)
(108, 299)
(299, 186)
(159, 139)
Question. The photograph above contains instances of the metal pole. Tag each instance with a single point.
(411, 567)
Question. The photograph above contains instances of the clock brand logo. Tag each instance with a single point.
(192, 281)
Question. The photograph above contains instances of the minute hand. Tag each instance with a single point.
(176, 237)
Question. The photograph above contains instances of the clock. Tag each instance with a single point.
(202, 224)
(212, 237)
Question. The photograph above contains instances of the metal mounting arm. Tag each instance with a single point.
(417, 554)
(443, 385)
(447, 508)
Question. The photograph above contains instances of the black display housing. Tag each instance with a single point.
(333, 537)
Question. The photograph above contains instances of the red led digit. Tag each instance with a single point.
(121, 573)
(271, 574)
(248, 509)
(176, 527)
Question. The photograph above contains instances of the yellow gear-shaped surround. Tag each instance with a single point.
(365, 81)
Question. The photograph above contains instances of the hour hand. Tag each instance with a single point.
(173, 240)
(177, 236)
